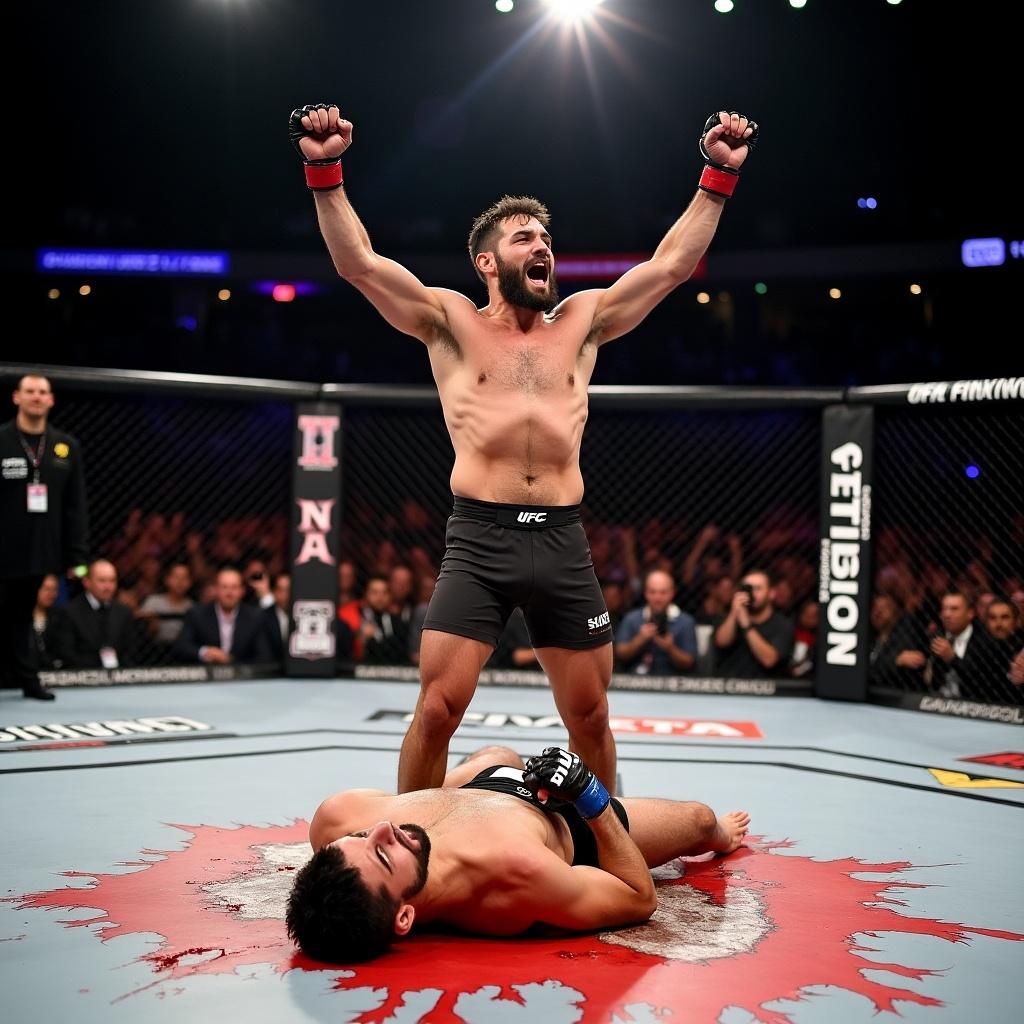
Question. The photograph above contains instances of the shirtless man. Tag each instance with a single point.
(500, 848)
(513, 378)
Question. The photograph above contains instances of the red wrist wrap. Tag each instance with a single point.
(718, 182)
(323, 177)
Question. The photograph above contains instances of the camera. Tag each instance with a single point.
(747, 588)
(660, 619)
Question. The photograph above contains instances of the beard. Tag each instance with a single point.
(516, 292)
(422, 857)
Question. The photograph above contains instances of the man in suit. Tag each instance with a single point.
(102, 628)
(278, 615)
(963, 657)
(225, 630)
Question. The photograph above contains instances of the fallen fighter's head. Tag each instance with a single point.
(349, 901)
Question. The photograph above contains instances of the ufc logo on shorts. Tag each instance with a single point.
(532, 517)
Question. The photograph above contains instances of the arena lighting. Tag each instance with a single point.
(224, 294)
(165, 262)
(834, 293)
(85, 290)
(703, 298)
(915, 289)
(571, 10)
(503, 6)
(867, 204)
(972, 472)
(723, 6)
(283, 292)
(797, 3)
(298, 289)
(761, 288)
(983, 252)
(53, 293)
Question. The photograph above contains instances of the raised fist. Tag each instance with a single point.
(319, 132)
(727, 139)
(561, 774)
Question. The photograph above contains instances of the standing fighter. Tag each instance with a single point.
(513, 380)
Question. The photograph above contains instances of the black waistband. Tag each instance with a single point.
(520, 517)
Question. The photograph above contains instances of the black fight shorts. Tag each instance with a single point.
(504, 779)
(499, 557)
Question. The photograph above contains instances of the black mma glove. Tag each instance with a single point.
(567, 778)
(321, 175)
(718, 179)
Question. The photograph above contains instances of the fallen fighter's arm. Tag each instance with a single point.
(621, 891)
(336, 812)
(584, 898)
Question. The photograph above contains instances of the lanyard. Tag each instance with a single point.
(35, 457)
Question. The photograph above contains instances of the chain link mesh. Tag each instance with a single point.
(949, 517)
(200, 480)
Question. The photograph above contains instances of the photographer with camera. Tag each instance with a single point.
(659, 638)
(753, 640)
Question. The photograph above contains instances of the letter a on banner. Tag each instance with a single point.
(311, 646)
(844, 570)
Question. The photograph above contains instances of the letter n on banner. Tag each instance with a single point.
(315, 520)
(844, 570)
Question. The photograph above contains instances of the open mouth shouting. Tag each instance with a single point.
(538, 272)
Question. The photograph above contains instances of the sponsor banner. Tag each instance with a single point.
(845, 558)
(162, 674)
(1006, 759)
(991, 389)
(688, 727)
(100, 733)
(961, 780)
(1006, 713)
(316, 491)
(620, 681)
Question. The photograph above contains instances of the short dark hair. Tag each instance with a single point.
(334, 916)
(487, 225)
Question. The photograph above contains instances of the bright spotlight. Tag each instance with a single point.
(503, 6)
(572, 10)
(723, 6)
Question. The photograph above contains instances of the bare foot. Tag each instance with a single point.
(731, 831)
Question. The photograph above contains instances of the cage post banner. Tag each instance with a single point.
(316, 499)
(844, 576)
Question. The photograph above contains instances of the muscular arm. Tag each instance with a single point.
(620, 892)
(626, 303)
(725, 144)
(342, 813)
(396, 293)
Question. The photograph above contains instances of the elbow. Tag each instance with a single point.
(647, 904)
(355, 272)
(357, 268)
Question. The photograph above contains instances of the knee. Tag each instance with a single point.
(591, 720)
(439, 714)
(495, 755)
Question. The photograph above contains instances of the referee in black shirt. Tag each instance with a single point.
(45, 523)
